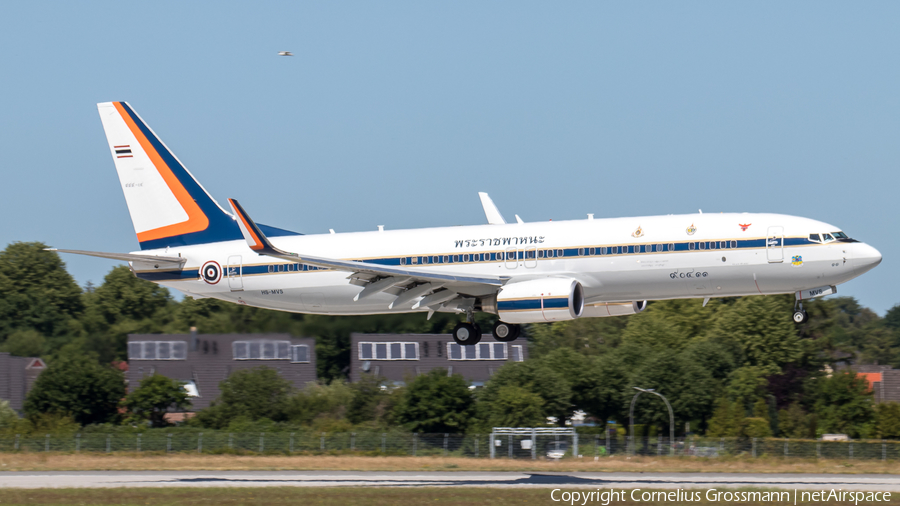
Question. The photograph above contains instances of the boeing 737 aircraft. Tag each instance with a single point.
(522, 272)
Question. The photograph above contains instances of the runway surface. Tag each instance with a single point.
(99, 479)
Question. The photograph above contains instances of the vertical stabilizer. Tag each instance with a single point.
(168, 206)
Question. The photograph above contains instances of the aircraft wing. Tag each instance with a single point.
(260, 244)
(126, 257)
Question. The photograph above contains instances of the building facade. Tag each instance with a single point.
(398, 357)
(884, 381)
(17, 375)
(202, 361)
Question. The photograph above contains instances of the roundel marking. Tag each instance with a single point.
(211, 272)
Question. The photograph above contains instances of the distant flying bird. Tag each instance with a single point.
(285, 53)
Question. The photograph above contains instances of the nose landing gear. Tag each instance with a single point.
(800, 314)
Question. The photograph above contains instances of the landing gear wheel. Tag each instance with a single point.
(801, 316)
(505, 332)
(466, 334)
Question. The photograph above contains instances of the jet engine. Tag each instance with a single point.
(600, 309)
(540, 300)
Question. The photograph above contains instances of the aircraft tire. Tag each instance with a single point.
(801, 317)
(505, 332)
(466, 334)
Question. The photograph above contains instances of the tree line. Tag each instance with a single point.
(737, 367)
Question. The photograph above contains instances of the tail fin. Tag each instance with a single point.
(168, 206)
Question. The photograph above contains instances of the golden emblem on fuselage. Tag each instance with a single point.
(638, 233)
(690, 230)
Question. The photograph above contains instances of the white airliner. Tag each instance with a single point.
(522, 272)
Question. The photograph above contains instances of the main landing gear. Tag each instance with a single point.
(505, 332)
(469, 333)
(800, 314)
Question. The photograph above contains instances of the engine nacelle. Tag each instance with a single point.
(601, 309)
(540, 300)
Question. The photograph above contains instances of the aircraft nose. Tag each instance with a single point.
(865, 257)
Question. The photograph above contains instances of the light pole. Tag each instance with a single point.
(671, 417)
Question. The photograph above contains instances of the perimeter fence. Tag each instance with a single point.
(448, 445)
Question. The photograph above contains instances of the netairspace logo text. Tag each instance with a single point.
(606, 497)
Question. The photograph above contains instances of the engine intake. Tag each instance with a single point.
(541, 300)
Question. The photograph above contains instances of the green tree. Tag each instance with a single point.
(77, 386)
(36, 292)
(747, 384)
(320, 402)
(689, 388)
(607, 381)
(670, 325)
(25, 343)
(756, 427)
(727, 419)
(153, 399)
(794, 422)
(514, 406)
(587, 336)
(536, 377)
(254, 394)
(8, 415)
(371, 401)
(843, 404)
(122, 305)
(767, 339)
(887, 420)
(435, 402)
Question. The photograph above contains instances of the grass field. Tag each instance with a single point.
(315, 496)
(50, 461)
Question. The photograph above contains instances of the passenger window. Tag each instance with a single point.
(581, 252)
(690, 245)
(814, 238)
(734, 244)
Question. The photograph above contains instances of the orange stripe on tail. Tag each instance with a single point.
(197, 220)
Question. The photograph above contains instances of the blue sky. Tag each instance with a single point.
(398, 113)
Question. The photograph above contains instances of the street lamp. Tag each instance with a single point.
(671, 416)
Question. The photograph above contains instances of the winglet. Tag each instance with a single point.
(490, 210)
(257, 241)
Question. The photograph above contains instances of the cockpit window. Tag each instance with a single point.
(840, 235)
(827, 237)
(814, 238)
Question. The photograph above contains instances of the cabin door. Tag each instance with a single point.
(775, 244)
(233, 270)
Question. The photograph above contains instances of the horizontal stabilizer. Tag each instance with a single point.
(125, 257)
